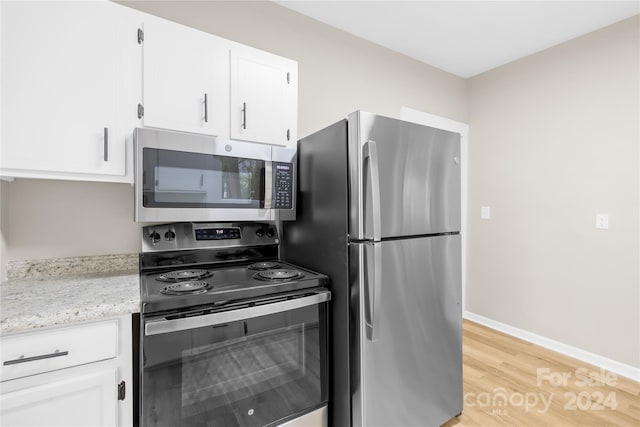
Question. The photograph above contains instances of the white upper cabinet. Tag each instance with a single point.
(264, 97)
(70, 80)
(78, 77)
(186, 78)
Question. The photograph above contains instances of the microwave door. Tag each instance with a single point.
(185, 177)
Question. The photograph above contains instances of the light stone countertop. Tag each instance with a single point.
(27, 304)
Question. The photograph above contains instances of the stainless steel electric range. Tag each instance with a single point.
(230, 335)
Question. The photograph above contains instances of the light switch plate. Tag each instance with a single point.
(602, 221)
(485, 212)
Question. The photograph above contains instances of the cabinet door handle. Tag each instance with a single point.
(244, 115)
(23, 359)
(122, 390)
(105, 154)
(206, 112)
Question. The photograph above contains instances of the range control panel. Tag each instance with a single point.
(198, 235)
(217, 233)
(282, 185)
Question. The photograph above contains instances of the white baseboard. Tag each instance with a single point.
(611, 365)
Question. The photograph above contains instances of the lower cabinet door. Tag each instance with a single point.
(82, 400)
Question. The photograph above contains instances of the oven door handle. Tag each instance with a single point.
(164, 326)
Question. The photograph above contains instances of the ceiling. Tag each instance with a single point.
(466, 38)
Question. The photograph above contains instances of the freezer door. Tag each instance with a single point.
(407, 371)
(404, 178)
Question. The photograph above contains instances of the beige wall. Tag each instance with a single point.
(553, 141)
(338, 73)
(50, 219)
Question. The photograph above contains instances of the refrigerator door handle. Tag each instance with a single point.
(370, 155)
(372, 308)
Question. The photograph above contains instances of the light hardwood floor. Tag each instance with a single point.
(510, 382)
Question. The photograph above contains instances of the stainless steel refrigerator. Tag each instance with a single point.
(379, 213)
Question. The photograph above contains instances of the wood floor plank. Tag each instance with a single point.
(511, 382)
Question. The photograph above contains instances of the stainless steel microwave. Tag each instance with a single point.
(188, 177)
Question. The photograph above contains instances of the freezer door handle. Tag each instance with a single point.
(370, 155)
(372, 296)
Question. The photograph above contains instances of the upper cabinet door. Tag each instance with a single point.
(264, 94)
(186, 77)
(64, 71)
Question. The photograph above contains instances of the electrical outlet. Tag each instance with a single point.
(602, 221)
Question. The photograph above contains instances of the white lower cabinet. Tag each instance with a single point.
(76, 375)
(81, 400)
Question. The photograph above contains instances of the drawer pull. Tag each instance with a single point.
(23, 359)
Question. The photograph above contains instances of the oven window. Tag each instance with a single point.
(177, 179)
(254, 372)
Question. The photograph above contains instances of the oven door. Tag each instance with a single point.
(189, 177)
(259, 365)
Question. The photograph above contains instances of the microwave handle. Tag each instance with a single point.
(268, 184)
(164, 326)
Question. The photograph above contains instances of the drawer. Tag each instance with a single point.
(43, 351)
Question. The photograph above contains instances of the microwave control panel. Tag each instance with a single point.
(282, 185)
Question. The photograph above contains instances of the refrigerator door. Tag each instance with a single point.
(407, 371)
(404, 178)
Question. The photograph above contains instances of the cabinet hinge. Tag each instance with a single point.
(122, 390)
(140, 111)
(140, 36)
(288, 134)
(288, 78)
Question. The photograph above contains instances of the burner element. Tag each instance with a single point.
(183, 275)
(265, 265)
(186, 288)
(278, 275)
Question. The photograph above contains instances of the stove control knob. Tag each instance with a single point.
(169, 235)
(154, 236)
(260, 232)
(271, 232)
